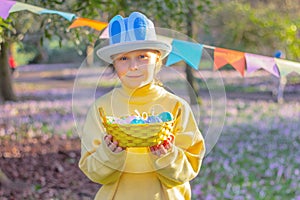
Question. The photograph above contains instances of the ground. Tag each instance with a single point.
(44, 165)
(44, 169)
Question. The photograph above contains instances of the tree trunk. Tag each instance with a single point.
(42, 55)
(6, 89)
(194, 89)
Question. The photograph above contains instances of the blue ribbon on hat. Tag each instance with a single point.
(133, 28)
(189, 52)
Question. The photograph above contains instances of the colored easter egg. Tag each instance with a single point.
(137, 121)
(153, 119)
(165, 116)
(110, 120)
(128, 119)
(120, 121)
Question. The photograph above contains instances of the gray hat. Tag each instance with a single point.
(136, 32)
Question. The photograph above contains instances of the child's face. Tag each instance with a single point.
(136, 68)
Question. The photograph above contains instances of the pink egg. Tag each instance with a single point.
(128, 119)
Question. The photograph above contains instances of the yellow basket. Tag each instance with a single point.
(141, 135)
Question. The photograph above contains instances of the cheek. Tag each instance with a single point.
(120, 70)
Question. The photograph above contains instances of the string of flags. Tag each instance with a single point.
(188, 52)
(9, 6)
(242, 62)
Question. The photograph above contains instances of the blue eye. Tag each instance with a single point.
(123, 58)
(143, 56)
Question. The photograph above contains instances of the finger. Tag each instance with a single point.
(106, 138)
(165, 142)
(109, 137)
(162, 150)
(107, 142)
(113, 146)
(155, 151)
(167, 146)
(118, 149)
(152, 149)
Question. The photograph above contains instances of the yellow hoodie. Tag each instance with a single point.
(136, 173)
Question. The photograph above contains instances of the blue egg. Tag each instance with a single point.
(153, 119)
(137, 121)
(165, 116)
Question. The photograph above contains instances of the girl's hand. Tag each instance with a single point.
(112, 145)
(163, 148)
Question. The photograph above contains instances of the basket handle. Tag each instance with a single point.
(176, 110)
(102, 115)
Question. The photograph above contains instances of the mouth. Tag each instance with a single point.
(134, 76)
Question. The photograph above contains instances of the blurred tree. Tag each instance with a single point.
(255, 26)
(258, 27)
(6, 90)
(170, 14)
(25, 26)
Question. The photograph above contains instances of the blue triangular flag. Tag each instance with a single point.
(172, 59)
(68, 16)
(187, 51)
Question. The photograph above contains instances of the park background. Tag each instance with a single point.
(257, 154)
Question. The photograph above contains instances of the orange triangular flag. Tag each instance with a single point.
(88, 22)
(226, 56)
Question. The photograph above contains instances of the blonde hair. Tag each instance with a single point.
(158, 66)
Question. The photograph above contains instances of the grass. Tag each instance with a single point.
(256, 157)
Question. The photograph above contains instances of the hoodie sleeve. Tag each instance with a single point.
(97, 162)
(183, 162)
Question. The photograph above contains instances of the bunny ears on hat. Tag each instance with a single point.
(136, 32)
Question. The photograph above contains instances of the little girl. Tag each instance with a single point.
(147, 173)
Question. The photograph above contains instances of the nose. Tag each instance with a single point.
(133, 65)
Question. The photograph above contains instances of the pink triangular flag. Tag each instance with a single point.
(104, 34)
(5, 7)
(255, 62)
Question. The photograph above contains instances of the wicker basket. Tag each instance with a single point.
(141, 135)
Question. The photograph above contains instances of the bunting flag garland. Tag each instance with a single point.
(256, 62)
(285, 66)
(97, 25)
(189, 52)
(18, 6)
(14, 6)
(104, 34)
(68, 16)
(5, 7)
(235, 58)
